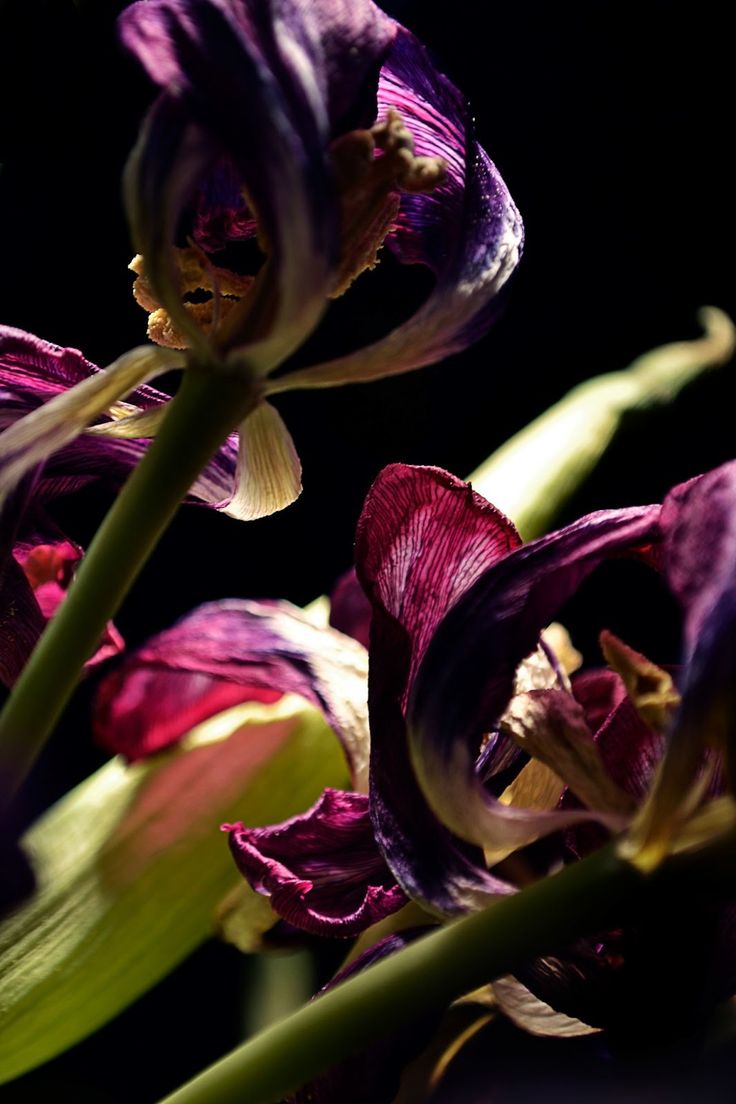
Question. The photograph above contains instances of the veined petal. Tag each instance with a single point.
(322, 870)
(466, 677)
(468, 230)
(33, 371)
(269, 472)
(230, 652)
(58, 421)
(423, 538)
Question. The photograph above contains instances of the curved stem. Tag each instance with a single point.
(423, 977)
(205, 409)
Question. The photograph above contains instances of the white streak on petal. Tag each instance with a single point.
(47, 429)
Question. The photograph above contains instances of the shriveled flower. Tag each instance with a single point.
(322, 132)
(458, 706)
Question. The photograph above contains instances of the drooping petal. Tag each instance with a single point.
(269, 472)
(423, 538)
(467, 230)
(229, 652)
(230, 66)
(322, 870)
(702, 514)
(63, 417)
(697, 515)
(533, 1014)
(466, 678)
(33, 371)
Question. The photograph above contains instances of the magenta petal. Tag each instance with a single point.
(699, 523)
(322, 870)
(350, 610)
(467, 676)
(35, 573)
(423, 538)
(225, 653)
(600, 691)
(267, 86)
(32, 371)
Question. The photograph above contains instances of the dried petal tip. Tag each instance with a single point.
(322, 870)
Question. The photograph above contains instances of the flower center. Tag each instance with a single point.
(371, 170)
(208, 294)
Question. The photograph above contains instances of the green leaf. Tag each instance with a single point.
(131, 865)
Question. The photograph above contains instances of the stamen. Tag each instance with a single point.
(372, 167)
(218, 289)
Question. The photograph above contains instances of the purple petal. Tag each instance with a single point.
(350, 610)
(630, 751)
(37, 564)
(466, 679)
(373, 1076)
(266, 86)
(225, 653)
(423, 538)
(468, 231)
(33, 371)
(322, 870)
(696, 516)
(599, 691)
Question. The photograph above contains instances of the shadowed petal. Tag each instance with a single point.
(466, 679)
(322, 870)
(229, 66)
(697, 515)
(63, 417)
(371, 1077)
(423, 538)
(350, 610)
(467, 230)
(33, 372)
(229, 652)
(702, 514)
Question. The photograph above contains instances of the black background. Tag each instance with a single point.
(612, 125)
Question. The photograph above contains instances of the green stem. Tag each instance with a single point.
(205, 409)
(424, 977)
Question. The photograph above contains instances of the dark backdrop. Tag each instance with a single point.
(611, 123)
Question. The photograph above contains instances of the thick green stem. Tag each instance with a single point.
(205, 409)
(423, 977)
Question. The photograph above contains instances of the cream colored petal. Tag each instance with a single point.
(144, 423)
(47, 429)
(533, 1015)
(269, 472)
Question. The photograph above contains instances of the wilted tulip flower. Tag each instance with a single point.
(320, 133)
